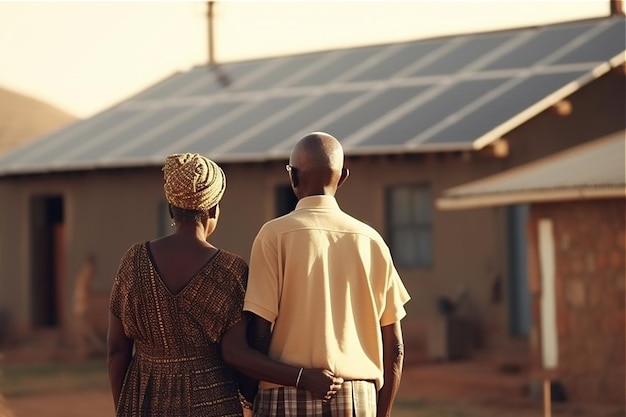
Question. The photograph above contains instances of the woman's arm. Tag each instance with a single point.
(238, 354)
(120, 352)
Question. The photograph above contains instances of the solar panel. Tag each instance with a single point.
(432, 112)
(169, 87)
(538, 47)
(181, 123)
(70, 149)
(452, 93)
(369, 111)
(202, 79)
(609, 42)
(269, 138)
(58, 137)
(502, 108)
(400, 60)
(257, 113)
(465, 53)
(165, 141)
(232, 74)
(107, 143)
(345, 61)
(287, 67)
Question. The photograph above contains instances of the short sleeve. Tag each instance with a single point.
(262, 294)
(238, 293)
(397, 296)
(122, 281)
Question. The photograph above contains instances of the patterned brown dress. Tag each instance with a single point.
(177, 368)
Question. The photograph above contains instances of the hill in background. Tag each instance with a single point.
(24, 119)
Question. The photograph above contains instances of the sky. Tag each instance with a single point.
(85, 56)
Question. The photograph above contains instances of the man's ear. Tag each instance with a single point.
(169, 209)
(295, 180)
(345, 173)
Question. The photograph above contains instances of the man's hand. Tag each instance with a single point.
(321, 383)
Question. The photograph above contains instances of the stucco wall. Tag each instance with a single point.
(590, 295)
(106, 211)
(13, 282)
(103, 213)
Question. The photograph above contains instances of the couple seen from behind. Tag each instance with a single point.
(310, 328)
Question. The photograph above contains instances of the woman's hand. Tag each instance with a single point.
(321, 383)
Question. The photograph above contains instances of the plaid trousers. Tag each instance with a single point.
(354, 399)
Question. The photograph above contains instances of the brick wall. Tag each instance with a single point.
(590, 279)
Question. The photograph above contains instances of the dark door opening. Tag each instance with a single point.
(286, 200)
(46, 260)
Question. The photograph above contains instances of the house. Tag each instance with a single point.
(415, 118)
(575, 240)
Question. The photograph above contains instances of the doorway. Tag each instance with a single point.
(286, 200)
(47, 260)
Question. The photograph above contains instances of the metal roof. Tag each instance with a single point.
(447, 94)
(595, 169)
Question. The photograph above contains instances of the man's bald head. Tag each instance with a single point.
(317, 150)
(318, 159)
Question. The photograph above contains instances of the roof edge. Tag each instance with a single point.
(534, 196)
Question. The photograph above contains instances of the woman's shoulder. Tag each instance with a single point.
(132, 253)
(233, 272)
(128, 265)
(135, 248)
(232, 260)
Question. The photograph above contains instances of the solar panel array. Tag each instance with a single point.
(454, 93)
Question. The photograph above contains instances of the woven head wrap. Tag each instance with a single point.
(192, 181)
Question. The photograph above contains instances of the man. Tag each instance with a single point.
(324, 293)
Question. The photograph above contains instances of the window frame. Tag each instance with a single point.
(419, 227)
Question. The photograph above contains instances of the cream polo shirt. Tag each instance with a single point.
(327, 283)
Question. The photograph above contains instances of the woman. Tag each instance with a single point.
(173, 299)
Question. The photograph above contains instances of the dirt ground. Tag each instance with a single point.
(79, 404)
(465, 389)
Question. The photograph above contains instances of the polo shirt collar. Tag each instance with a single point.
(318, 201)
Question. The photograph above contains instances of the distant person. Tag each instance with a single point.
(172, 301)
(324, 293)
(4, 408)
(87, 340)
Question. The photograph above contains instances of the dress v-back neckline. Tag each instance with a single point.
(159, 277)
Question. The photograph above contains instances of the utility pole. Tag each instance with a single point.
(222, 77)
(617, 7)
(211, 32)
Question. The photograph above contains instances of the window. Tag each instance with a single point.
(409, 214)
